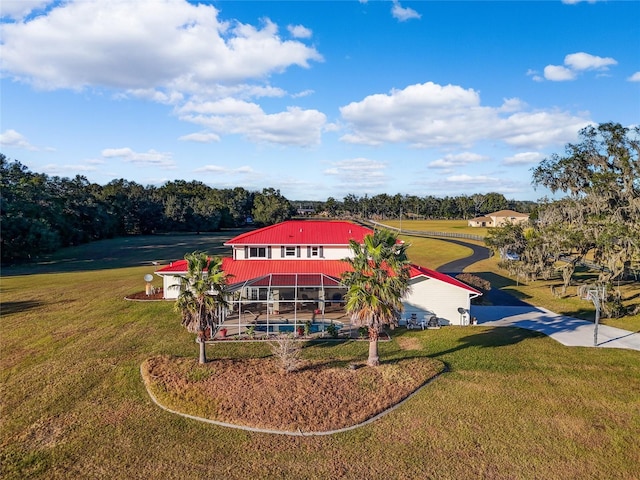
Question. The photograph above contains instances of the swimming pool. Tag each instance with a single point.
(316, 327)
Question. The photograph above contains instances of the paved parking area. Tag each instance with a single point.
(566, 330)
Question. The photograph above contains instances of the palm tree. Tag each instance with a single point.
(202, 296)
(377, 282)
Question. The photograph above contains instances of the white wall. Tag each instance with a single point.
(328, 253)
(443, 299)
(167, 282)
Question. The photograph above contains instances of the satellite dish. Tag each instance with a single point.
(461, 311)
(148, 277)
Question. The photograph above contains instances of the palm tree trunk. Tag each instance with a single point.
(374, 359)
(203, 353)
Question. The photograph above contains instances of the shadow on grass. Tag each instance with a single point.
(502, 291)
(9, 308)
(492, 338)
(135, 251)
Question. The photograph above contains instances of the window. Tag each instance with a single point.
(257, 252)
(290, 251)
(314, 252)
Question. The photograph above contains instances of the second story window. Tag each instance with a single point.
(258, 252)
(290, 251)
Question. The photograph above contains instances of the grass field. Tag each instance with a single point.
(514, 404)
(447, 226)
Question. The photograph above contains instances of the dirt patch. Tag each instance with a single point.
(409, 343)
(321, 396)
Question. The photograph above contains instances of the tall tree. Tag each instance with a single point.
(202, 296)
(377, 282)
(601, 175)
(271, 207)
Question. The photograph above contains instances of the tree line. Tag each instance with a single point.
(384, 206)
(42, 213)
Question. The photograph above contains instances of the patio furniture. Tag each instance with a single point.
(432, 322)
(412, 322)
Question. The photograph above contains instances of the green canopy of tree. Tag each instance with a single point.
(601, 175)
(202, 296)
(600, 214)
(376, 283)
(270, 207)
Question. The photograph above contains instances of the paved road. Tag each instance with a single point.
(457, 266)
(495, 296)
(569, 331)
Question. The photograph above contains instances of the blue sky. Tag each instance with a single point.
(314, 98)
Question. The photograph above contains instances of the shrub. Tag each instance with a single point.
(475, 281)
(332, 330)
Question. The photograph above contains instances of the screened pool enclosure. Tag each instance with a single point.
(278, 303)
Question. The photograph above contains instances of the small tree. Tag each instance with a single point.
(286, 349)
(202, 296)
(377, 282)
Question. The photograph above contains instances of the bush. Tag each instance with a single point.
(475, 281)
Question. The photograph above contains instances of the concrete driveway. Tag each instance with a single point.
(569, 331)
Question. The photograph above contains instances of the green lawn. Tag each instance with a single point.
(513, 404)
(447, 226)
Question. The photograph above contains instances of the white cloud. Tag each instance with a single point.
(143, 44)
(304, 93)
(558, 73)
(359, 174)
(202, 137)
(584, 61)
(19, 9)
(217, 169)
(471, 180)
(13, 139)
(576, 63)
(67, 170)
(635, 77)
(299, 31)
(512, 105)
(431, 115)
(403, 14)
(151, 158)
(171, 52)
(295, 126)
(524, 158)
(456, 160)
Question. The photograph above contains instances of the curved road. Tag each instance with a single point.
(495, 296)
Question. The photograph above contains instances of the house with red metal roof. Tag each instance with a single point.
(289, 274)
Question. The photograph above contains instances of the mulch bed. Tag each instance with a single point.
(320, 396)
(141, 296)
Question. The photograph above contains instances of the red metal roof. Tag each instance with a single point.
(443, 277)
(243, 270)
(304, 232)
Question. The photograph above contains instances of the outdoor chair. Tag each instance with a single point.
(412, 321)
(432, 322)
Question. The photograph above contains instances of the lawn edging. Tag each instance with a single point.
(297, 433)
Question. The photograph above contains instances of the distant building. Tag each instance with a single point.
(305, 211)
(497, 219)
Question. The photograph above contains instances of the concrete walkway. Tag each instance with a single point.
(568, 331)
